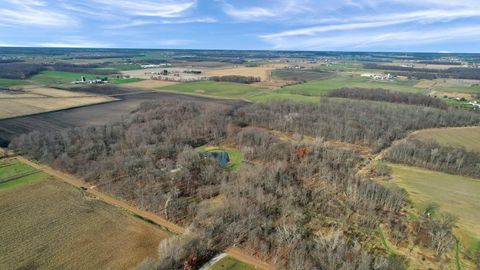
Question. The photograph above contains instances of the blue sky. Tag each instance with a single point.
(351, 25)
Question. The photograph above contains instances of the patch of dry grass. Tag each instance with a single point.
(32, 99)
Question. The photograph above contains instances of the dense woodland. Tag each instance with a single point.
(388, 96)
(19, 70)
(296, 206)
(431, 155)
(360, 122)
(236, 79)
(25, 70)
(128, 159)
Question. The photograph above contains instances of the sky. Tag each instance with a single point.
(321, 25)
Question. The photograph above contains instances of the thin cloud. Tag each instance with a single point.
(381, 21)
(173, 42)
(356, 41)
(74, 42)
(35, 13)
(164, 8)
(250, 13)
(134, 23)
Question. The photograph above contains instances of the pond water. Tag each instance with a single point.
(221, 157)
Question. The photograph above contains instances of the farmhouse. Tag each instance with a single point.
(475, 105)
(382, 77)
(84, 81)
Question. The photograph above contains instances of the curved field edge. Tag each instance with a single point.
(453, 194)
(467, 137)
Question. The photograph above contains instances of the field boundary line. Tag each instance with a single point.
(236, 253)
(72, 180)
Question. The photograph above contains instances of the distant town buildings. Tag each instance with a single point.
(381, 77)
(156, 66)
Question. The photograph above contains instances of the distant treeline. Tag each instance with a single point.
(361, 122)
(433, 156)
(447, 63)
(102, 56)
(388, 96)
(300, 75)
(87, 69)
(20, 70)
(24, 70)
(4, 61)
(425, 73)
(236, 79)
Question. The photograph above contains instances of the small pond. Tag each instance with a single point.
(220, 156)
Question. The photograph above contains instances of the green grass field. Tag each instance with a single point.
(275, 95)
(321, 87)
(229, 263)
(130, 80)
(122, 67)
(454, 194)
(235, 156)
(11, 83)
(212, 88)
(14, 173)
(468, 137)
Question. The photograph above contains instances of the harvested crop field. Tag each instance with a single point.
(32, 100)
(426, 84)
(96, 114)
(468, 137)
(149, 84)
(52, 225)
(25, 106)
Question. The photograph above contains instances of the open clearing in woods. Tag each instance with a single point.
(49, 224)
(229, 263)
(468, 137)
(453, 194)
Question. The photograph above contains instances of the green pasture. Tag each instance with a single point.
(212, 88)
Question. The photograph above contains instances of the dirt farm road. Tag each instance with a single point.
(233, 252)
